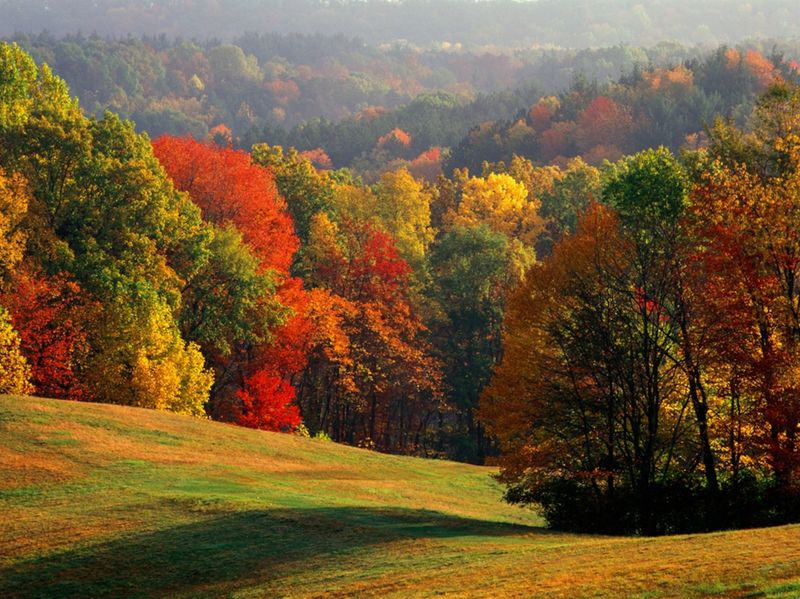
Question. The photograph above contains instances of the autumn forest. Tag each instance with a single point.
(580, 266)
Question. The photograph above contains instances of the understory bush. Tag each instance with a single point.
(671, 507)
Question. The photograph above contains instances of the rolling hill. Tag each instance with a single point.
(100, 500)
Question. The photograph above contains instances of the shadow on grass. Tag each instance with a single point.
(229, 550)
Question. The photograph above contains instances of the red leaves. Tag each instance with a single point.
(427, 166)
(540, 116)
(605, 123)
(379, 272)
(747, 258)
(267, 403)
(319, 158)
(229, 188)
(46, 313)
(287, 354)
(365, 266)
(649, 306)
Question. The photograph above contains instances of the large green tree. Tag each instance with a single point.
(472, 271)
(103, 210)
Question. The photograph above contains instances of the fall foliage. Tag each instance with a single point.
(621, 338)
(655, 345)
(14, 370)
(48, 314)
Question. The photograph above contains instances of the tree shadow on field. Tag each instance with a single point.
(229, 550)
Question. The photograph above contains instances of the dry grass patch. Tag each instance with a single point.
(98, 500)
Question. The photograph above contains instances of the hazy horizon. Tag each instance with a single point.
(508, 23)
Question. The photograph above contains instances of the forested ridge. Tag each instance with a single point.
(598, 292)
(347, 104)
(565, 23)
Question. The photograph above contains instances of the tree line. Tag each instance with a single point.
(337, 98)
(649, 381)
(251, 287)
(620, 338)
(646, 107)
(571, 23)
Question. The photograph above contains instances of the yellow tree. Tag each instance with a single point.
(14, 371)
(503, 204)
(538, 180)
(138, 358)
(14, 199)
(404, 208)
(561, 194)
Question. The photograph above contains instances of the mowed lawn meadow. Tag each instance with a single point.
(102, 500)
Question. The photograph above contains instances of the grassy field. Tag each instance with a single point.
(112, 501)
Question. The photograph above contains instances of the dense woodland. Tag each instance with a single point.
(280, 81)
(650, 360)
(189, 276)
(604, 302)
(371, 109)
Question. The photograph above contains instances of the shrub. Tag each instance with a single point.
(670, 507)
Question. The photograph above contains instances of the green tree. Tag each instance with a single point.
(18, 75)
(102, 209)
(471, 270)
(306, 191)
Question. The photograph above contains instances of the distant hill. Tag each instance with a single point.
(570, 23)
(101, 500)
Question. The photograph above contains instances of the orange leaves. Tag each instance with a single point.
(319, 158)
(605, 123)
(370, 113)
(754, 62)
(229, 188)
(541, 114)
(47, 312)
(672, 80)
(395, 137)
(554, 141)
(733, 58)
(527, 388)
(427, 166)
(287, 352)
(283, 92)
(760, 67)
(327, 314)
(367, 339)
(749, 254)
(221, 135)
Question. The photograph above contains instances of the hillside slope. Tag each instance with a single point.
(110, 501)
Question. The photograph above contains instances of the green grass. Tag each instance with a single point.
(112, 501)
